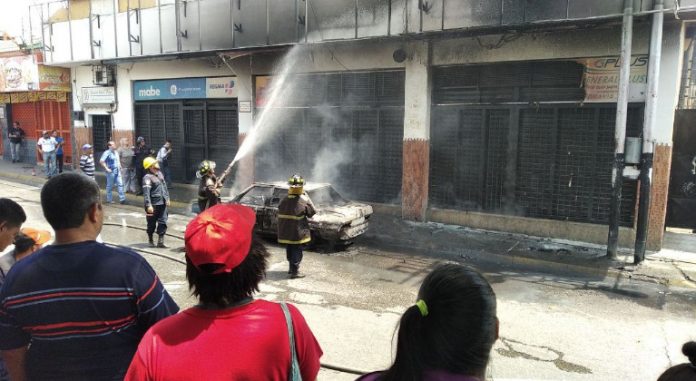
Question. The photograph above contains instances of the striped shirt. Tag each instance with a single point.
(87, 165)
(83, 307)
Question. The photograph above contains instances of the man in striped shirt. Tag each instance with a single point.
(83, 306)
(87, 161)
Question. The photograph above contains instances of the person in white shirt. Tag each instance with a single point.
(163, 156)
(47, 148)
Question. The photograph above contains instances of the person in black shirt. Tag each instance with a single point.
(140, 152)
(15, 134)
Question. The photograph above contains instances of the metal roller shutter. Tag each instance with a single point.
(507, 138)
(349, 132)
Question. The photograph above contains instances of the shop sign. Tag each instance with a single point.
(98, 95)
(262, 89)
(54, 78)
(601, 79)
(221, 87)
(245, 106)
(186, 88)
(18, 74)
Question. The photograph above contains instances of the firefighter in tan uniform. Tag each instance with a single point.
(293, 225)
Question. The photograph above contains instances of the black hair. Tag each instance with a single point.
(683, 372)
(168, 140)
(67, 198)
(23, 242)
(228, 288)
(11, 213)
(457, 333)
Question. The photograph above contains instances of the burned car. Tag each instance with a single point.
(337, 221)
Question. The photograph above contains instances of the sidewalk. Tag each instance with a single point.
(674, 265)
(181, 194)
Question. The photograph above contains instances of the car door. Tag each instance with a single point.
(257, 198)
(271, 215)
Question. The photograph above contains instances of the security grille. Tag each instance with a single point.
(506, 138)
(348, 130)
(157, 122)
(199, 130)
(101, 133)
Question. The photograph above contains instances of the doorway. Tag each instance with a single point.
(101, 134)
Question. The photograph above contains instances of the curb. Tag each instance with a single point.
(613, 269)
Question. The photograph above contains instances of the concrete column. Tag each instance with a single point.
(668, 95)
(416, 156)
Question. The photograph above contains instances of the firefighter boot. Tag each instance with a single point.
(160, 242)
(150, 241)
(295, 272)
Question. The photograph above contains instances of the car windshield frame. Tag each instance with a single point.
(329, 196)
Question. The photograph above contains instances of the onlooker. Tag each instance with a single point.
(228, 335)
(112, 165)
(156, 197)
(125, 154)
(685, 371)
(87, 161)
(16, 135)
(293, 226)
(448, 334)
(47, 148)
(27, 241)
(163, 157)
(59, 150)
(140, 152)
(96, 301)
(12, 217)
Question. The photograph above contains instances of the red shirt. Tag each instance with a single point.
(248, 342)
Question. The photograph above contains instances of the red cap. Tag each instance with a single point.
(221, 235)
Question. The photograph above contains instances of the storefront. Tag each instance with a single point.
(532, 139)
(199, 115)
(36, 96)
(345, 128)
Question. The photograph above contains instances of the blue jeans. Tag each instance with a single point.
(15, 149)
(167, 174)
(114, 176)
(49, 159)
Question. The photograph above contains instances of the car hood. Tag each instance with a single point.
(341, 214)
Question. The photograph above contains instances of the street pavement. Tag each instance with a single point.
(562, 318)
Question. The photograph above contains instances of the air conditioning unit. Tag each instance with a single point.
(102, 75)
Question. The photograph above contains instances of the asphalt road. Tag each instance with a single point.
(552, 326)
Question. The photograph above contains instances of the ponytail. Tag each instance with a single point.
(408, 365)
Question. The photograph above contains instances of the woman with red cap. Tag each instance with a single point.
(228, 335)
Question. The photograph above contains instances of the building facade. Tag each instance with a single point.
(498, 116)
(37, 97)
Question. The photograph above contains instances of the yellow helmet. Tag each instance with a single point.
(149, 162)
(296, 184)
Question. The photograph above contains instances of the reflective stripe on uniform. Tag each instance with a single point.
(290, 217)
(289, 242)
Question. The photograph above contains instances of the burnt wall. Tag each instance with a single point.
(415, 179)
(662, 160)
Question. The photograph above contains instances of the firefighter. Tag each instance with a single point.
(293, 225)
(209, 187)
(156, 201)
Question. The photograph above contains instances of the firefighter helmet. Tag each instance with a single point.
(296, 183)
(149, 162)
(206, 166)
